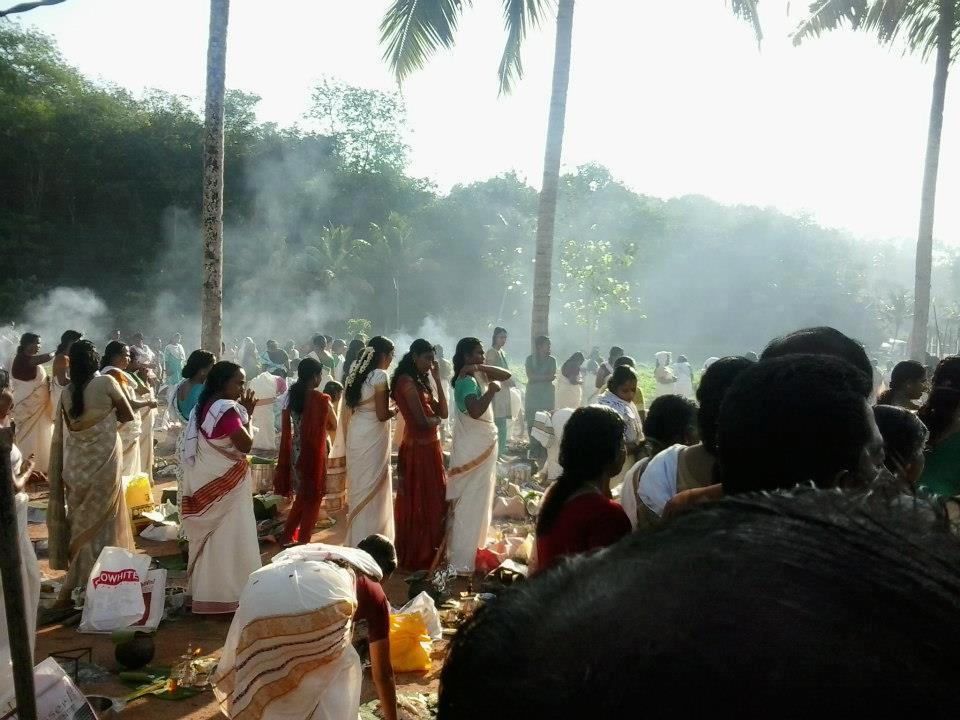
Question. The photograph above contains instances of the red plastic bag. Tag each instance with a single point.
(487, 561)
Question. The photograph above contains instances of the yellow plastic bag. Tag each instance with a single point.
(138, 496)
(410, 644)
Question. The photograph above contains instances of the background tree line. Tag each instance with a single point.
(100, 189)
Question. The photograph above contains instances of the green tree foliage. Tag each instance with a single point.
(366, 125)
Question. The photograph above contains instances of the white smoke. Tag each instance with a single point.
(64, 308)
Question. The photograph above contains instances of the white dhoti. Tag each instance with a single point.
(288, 654)
(471, 484)
(33, 415)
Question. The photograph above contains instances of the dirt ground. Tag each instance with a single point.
(173, 637)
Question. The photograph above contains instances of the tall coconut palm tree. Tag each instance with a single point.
(412, 30)
(927, 27)
(211, 213)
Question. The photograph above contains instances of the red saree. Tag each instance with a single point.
(421, 500)
(310, 466)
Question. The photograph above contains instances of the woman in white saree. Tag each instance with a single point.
(31, 395)
(116, 360)
(217, 506)
(471, 478)
(366, 395)
(664, 375)
(87, 509)
(288, 654)
(621, 391)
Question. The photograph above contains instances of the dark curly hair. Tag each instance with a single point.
(219, 376)
(407, 366)
(592, 440)
(307, 370)
(84, 364)
(198, 360)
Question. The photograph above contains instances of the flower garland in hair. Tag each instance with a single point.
(362, 363)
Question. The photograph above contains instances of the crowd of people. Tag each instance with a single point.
(802, 423)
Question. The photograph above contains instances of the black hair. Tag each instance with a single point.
(947, 373)
(539, 341)
(576, 361)
(498, 331)
(307, 370)
(381, 347)
(333, 388)
(903, 372)
(198, 360)
(592, 441)
(615, 350)
(792, 420)
(320, 341)
(669, 418)
(350, 357)
(904, 435)
(113, 348)
(464, 347)
(407, 366)
(68, 337)
(382, 551)
(84, 363)
(624, 360)
(27, 339)
(822, 341)
(822, 593)
(620, 375)
(939, 411)
(714, 383)
(220, 374)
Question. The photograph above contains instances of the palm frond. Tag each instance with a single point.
(914, 22)
(412, 30)
(24, 7)
(519, 17)
(747, 10)
(826, 15)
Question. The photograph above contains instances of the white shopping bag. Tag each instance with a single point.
(424, 605)
(114, 597)
(57, 697)
(154, 590)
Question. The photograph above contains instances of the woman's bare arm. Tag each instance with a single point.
(477, 405)
(382, 401)
(122, 406)
(242, 439)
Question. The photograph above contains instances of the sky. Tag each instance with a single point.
(674, 97)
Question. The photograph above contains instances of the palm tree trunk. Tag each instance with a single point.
(921, 294)
(547, 211)
(211, 218)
